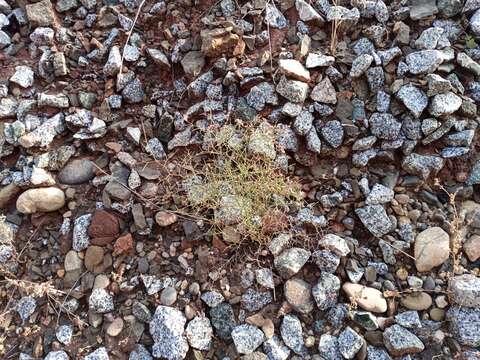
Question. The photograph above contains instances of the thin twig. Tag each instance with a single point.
(130, 32)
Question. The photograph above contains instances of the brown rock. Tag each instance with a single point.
(298, 294)
(115, 327)
(123, 244)
(416, 301)
(7, 193)
(165, 218)
(268, 328)
(221, 41)
(471, 248)
(40, 13)
(104, 228)
(93, 257)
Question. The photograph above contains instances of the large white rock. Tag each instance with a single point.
(367, 298)
(40, 200)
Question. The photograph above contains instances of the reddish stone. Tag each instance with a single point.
(104, 228)
(219, 244)
(123, 244)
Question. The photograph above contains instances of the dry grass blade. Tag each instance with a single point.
(129, 34)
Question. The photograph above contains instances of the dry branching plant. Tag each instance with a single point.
(245, 196)
(11, 286)
(455, 225)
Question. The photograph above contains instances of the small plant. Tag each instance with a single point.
(244, 195)
(456, 241)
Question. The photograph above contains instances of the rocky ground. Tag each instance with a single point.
(237, 179)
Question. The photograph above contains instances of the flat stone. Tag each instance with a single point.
(294, 69)
(56, 355)
(333, 133)
(416, 301)
(76, 172)
(303, 123)
(367, 298)
(23, 76)
(408, 319)
(93, 257)
(274, 18)
(422, 165)
(307, 12)
(399, 341)
(168, 296)
(64, 334)
(223, 320)
(432, 248)
(99, 354)
(360, 65)
(212, 298)
(159, 58)
(115, 327)
(25, 307)
(114, 62)
(318, 60)
(379, 194)
(80, 237)
(475, 23)
(193, 62)
(424, 61)
(254, 300)
(328, 347)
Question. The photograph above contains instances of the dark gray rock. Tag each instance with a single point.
(77, 172)
(325, 292)
(223, 320)
(384, 126)
(375, 219)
